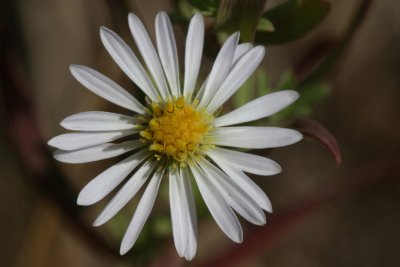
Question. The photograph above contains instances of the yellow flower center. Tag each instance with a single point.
(176, 129)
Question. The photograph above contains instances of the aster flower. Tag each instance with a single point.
(177, 134)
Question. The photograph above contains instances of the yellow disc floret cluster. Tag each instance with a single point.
(176, 129)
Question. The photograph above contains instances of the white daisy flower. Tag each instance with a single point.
(177, 134)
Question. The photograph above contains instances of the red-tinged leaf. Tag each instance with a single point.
(315, 131)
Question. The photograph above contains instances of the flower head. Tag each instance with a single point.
(177, 134)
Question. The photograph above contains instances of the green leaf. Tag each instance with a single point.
(263, 86)
(314, 93)
(287, 81)
(204, 5)
(310, 95)
(265, 25)
(162, 226)
(244, 94)
(254, 87)
(240, 15)
(178, 17)
(292, 20)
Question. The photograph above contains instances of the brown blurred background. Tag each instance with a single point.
(359, 228)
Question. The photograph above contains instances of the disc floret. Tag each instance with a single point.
(176, 129)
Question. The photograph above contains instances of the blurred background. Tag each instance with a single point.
(325, 213)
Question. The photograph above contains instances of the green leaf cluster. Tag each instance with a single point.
(291, 20)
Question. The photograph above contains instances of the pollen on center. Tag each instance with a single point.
(176, 129)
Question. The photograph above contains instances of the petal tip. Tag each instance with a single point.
(278, 168)
(103, 29)
(191, 251)
(189, 257)
(51, 142)
(197, 15)
(132, 18)
(290, 95)
(56, 155)
(98, 222)
(75, 66)
(237, 237)
(294, 136)
(197, 19)
(162, 13)
(299, 136)
(64, 123)
(84, 201)
(72, 68)
(236, 35)
(81, 202)
(124, 249)
(104, 33)
(75, 69)
(259, 50)
(295, 95)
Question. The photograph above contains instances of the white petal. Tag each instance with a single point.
(98, 121)
(148, 53)
(109, 179)
(220, 69)
(241, 50)
(240, 72)
(106, 88)
(193, 52)
(127, 61)
(258, 108)
(73, 141)
(141, 214)
(183, 214)
(235, 196)
(126, 193)
(247, 162)
(95, 153)
(178, 214)
(254, 137)
(167, 51)
(191, 245)
(219, 209)
(243, 181)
